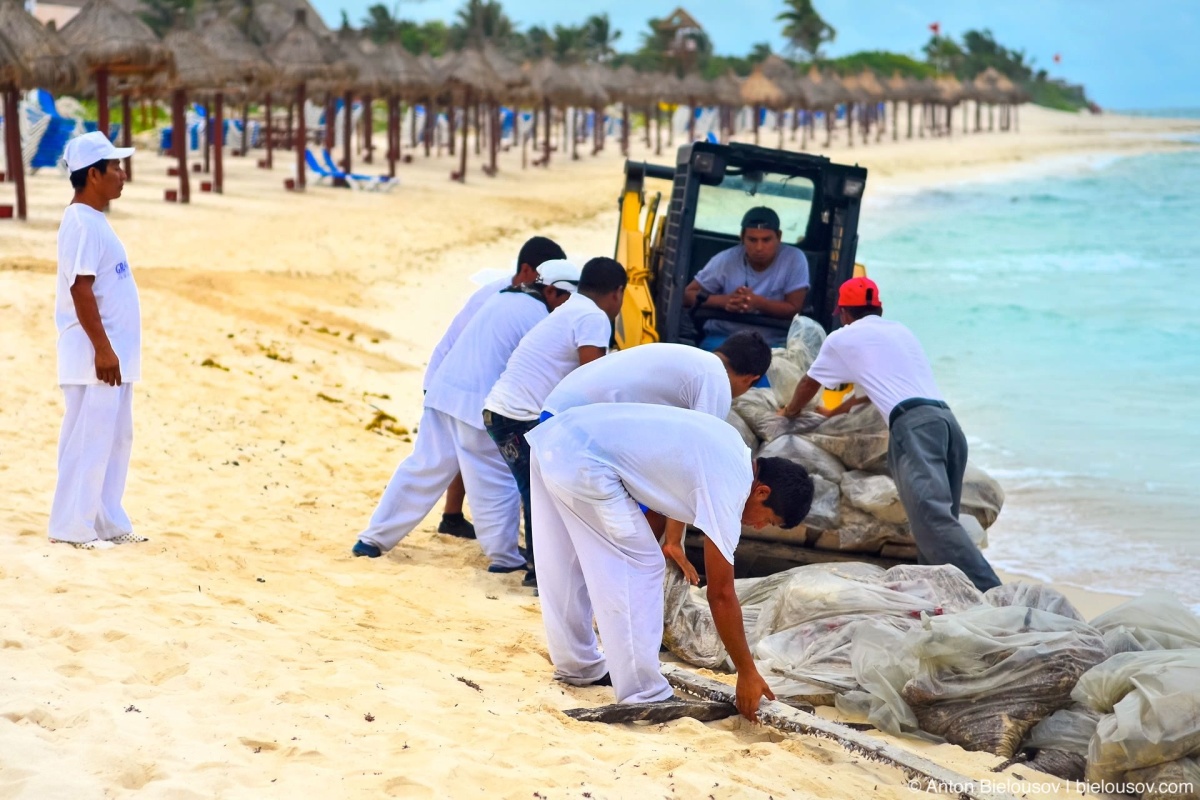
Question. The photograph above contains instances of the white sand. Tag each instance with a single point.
(242, 652)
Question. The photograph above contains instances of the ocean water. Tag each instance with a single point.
(1062, 317)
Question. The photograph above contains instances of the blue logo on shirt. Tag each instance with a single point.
(122, 270)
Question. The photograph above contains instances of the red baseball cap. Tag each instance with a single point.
(859, 292)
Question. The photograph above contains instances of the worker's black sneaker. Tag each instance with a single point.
(456, 525)
(530, 579)
(496, 569)
(361, 548)
(603, 680)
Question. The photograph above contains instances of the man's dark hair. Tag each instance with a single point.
(858, 312)
(79, 176)
(747, 353)
(538, 251)
(602, 275)
(791, 489)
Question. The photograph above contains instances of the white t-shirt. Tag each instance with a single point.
(476, 360)
(881, 357)
(687, 465)
(546, 356)
(728, 270)
(87, 245)
(465, 315)
(663, 374)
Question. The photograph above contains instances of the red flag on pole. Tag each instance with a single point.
(1057, 58)
(936, 27)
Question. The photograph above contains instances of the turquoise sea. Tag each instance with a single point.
(1062, 316)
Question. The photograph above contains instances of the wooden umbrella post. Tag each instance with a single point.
(330, 120)
(494, 139)
(218, 185)
(291, 128)
(429, 125)
(368, 130)
(461, 176)
(692, 120)
(546, 117)
(625, 129)
(393, 137)
(16, 165)
(208, 137)
(300, 142)
(179, 140)
(658, 130)
(126, 133)
(270, 131)
(347, 130)
(245, 148)
(102, 100)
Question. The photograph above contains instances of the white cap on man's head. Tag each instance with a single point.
(84, 151)
(559, 273)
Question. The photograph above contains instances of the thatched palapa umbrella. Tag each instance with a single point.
(555, 87)
(727, 92)
(405, 77)
(515, 82)
(369, 82)
(248, 68)
(697, 92)
(44, 61)
(758, 91)
(197, 69)
(625, 80)
(13, 76)
(299, 58)
(108, 41)
(469, 75)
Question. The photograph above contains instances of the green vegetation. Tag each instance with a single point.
(678, 44)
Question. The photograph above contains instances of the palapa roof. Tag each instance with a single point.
(269, 21)
(38, 48)
(196, 67)
(12, 72)
(727, 89)
(551, 82)
(102, 36)
(506, 70)
(626, 83)
(869, 83)
(898, 87)
(300, 56)
(950, 89)
(759, 90)
(594, 93)
(696, 89)
(468, 69)
(369, 77)
(245, 60)
(407, 72)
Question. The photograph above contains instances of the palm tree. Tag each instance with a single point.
(479, 21)
(570, 43)
(537, 43)
(804, 28)
(600, 36)
(162, 15)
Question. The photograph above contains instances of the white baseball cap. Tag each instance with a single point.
(84, 151)
(559, 273)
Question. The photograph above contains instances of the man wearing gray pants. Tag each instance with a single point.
(927, 451)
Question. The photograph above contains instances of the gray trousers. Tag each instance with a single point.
(927, 454)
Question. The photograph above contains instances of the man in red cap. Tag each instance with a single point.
(927, 451)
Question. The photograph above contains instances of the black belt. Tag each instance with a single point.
(910, 404)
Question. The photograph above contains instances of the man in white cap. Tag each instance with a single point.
(99, 323)
(534, 253)
(578, 333)
(451, 437)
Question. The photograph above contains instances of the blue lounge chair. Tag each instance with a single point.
(323, 175)
(375, 182)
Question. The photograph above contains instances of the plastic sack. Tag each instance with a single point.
(859, 532)
(1061, 741)
(689, 631)
(874, 494)
(807, 455)
(982, 496)
(943, 585)
(806, 335)
(1033, 595)
(882, 663)
(783, 375)
(1157, 620)
(987, 675)
(744, 431)
(757, 407)
(1175, 780)
(859, 439)
(1151, 707)
(805, 422)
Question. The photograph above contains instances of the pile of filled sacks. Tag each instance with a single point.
(856, 507)
(918, 651)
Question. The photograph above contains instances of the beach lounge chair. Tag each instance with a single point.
(323, 176)
(374, 182)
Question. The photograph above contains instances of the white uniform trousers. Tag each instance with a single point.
(444, 447)
(93, 462)
(601, 560)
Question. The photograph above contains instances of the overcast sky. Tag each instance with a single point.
(1129, 55)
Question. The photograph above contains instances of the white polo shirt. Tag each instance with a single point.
(477, 359)
(465, 315)
(547, 355)
(663, 374)
(87, 245)
(687, 465)
(882, 358)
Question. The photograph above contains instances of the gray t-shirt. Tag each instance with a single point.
(729, 269)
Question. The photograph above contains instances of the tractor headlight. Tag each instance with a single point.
(853, 187)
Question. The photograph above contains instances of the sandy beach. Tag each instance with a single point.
(242, 652)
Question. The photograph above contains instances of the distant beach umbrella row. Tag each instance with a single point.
(274, 51)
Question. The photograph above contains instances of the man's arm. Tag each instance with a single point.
(727, 614)
(806, 390)
(108, 366)
(589, 353)
(844, 408)
(673, 549)
(720, 301)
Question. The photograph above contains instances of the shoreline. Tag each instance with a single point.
(242, 652)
